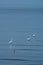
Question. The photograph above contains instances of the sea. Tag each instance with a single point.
(19, 24)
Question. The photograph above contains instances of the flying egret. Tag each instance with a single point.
(28, 38)
(33, 36)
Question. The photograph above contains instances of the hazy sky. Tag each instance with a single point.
(22, 3)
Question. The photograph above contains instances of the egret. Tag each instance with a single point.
(11, 41)
(34, 35)
(29, 38)
(12, 46)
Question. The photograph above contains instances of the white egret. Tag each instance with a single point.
(11, 41)
(12, 46)
(34, 35)
(28, 38)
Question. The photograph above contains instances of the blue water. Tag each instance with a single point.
(18, 24)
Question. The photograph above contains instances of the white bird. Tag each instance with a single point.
(34, 35)
(11, 41)
(29, 38)
(11, 46)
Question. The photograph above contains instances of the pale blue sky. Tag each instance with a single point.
(22, 3)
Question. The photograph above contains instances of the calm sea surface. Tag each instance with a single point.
(19, 24)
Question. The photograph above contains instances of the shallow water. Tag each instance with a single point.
(19, 24)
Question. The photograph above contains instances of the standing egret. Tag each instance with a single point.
(12, 46)
(11, 41)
